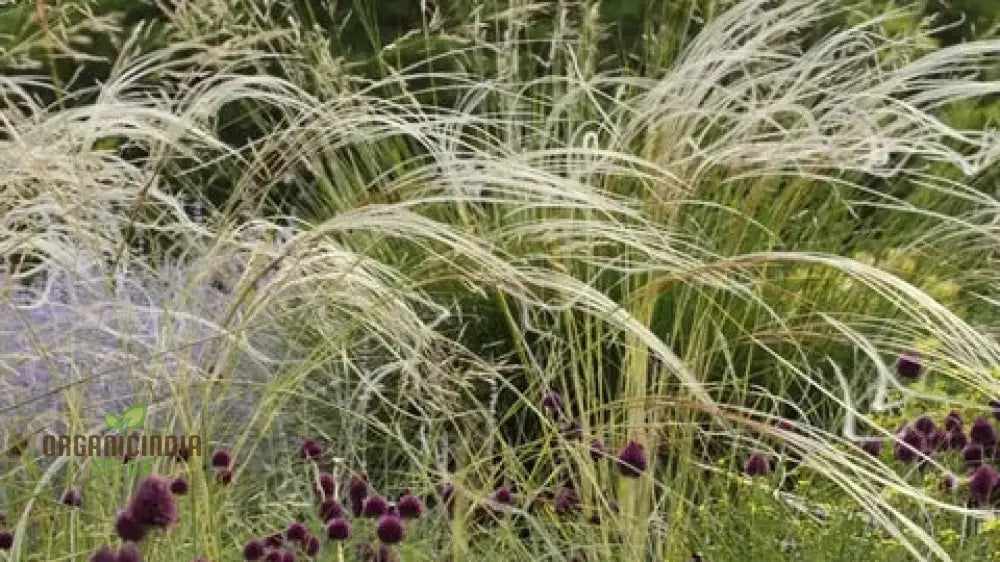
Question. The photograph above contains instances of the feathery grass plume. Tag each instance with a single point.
(153, 504)
(129, 553)
(389, 529)
(338, 529)
(253, 550)
(104, 554)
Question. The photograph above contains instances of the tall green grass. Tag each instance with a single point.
(748, 227)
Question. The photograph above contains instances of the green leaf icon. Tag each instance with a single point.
(111, 421)
(134, 417)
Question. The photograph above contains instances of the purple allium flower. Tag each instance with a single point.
(357, 491)
(389, 529)
(310, 450)
(957, 439)
(995, 408)
(338, 529)
(72, 498)
(128, 528)
(632, 461)
(153, 505)
(597, 450)
(222, 459)
(225, 477)
(871, 445)
(982, 433)
(274, 541)
(6, 540)
(326, 483)
(757, 465)
(982, 482)
(552, 402)
(297, 531)
(972, 454)
(953, 421)
(909, 365)
(939, 440)
(329, 509)
(311, 546)
(503, 496)
(129, 553)
(948, 482)
(288, 556)
(785, 425)
(179, 486)
(925, 425)
(253, 550)
(410, 506)
(273, 556)
(566, 501)
(104, 554)
(375, 506)
(909, 445)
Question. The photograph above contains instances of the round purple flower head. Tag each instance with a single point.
(410, 506)
(939, 440)
(338, 529)
(288, 556)
(375, 506)
(273, 556)
(872, 446)
(566, 501)
(909, 445)
(72, 498)
(153, 504)
(179, 486)
(104, 554)
(995, 408)
(311, 546)
(632, 460)
(296, 531)
(225, 477)
(503, 496)
(757, 465)
(552, 402)
(128, 528)
(953, 421)
(948, 482)
(957, 440)
(129, 553)
(222, 459)
(6, 540)
(982, 432)
(274, 541)
(330, 508)
(326, 484)
(925, 425)
(972, 455)
(597, 450)
(389, 529)
(310, 450)
(909, 365)
(253, 550)
(981, 483)
(357, 491)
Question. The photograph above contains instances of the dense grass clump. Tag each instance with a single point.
(489, 293)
